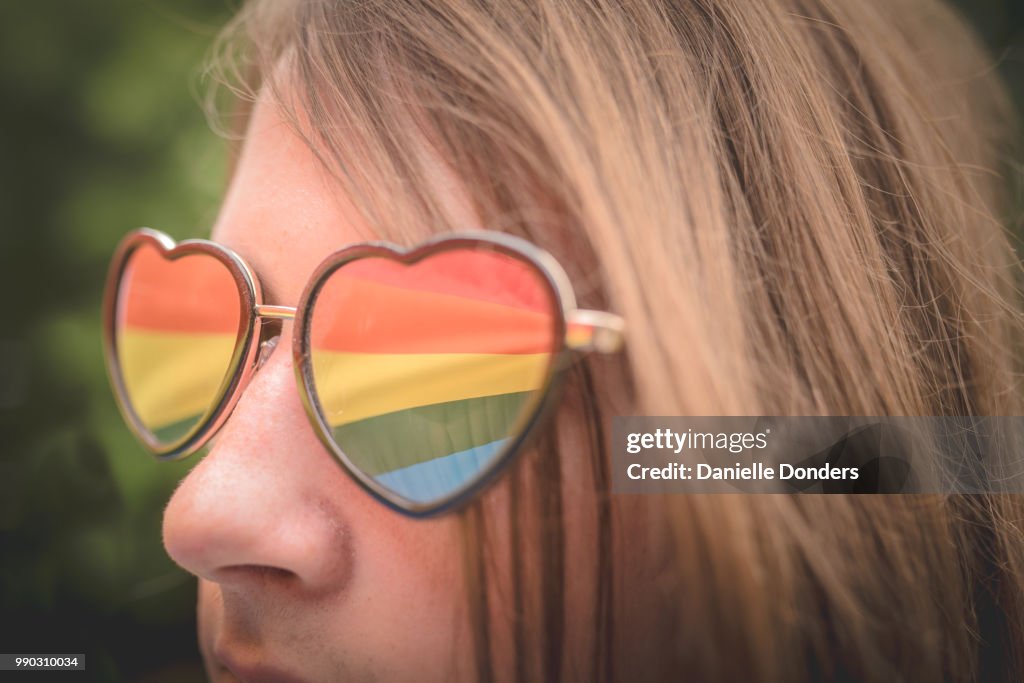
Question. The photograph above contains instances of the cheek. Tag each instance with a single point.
(410, 587)
(405, 615)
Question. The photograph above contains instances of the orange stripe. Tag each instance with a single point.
(192, 294)
(471, 273)
(359, 316)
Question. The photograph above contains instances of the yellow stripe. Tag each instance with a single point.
(355, 386)
(172, 376)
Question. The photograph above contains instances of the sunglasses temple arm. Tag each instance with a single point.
(594, 331)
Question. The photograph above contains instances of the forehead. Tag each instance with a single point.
(284, 212)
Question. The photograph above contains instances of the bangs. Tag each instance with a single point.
(421, 145)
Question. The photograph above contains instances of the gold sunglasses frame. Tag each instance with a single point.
(602, 332)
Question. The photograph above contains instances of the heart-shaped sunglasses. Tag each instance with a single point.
(422, 371)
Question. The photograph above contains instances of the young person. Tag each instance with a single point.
(783, 207)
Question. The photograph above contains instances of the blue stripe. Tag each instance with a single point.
(436, 479)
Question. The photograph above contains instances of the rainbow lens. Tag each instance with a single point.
(425, 372)
(176, 324)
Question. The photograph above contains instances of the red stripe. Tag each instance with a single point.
(192, 294)
(468, 273)
(356, 315)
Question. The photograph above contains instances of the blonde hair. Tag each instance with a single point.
(795, 205)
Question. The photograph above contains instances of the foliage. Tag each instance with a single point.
(103, 133)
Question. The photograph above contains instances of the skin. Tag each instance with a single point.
(302, 575)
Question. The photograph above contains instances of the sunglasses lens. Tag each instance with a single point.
(427, 373)
(175, 327)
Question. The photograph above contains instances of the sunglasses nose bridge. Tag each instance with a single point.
(273, 319)
(275, 312)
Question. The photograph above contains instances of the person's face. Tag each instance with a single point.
(302, 575)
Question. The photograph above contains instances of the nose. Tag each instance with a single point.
(265, 503)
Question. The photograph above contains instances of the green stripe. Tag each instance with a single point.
(174, 431)
(407, 437)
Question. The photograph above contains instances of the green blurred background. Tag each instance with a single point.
(102, 132)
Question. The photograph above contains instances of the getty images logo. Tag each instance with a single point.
(667, 439)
